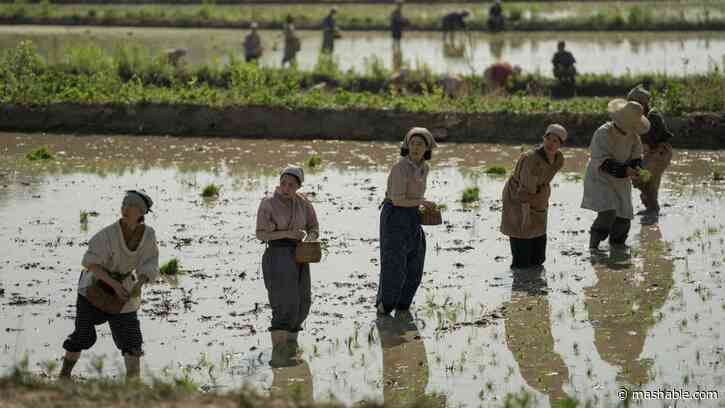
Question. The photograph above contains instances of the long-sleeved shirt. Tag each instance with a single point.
(277, 214)
(407, 180)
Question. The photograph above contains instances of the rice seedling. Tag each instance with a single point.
(313, 161)
(210, 191)
(496, 171)
(170, 267)
(470, 195)
(41, 153)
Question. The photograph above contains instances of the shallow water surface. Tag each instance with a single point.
(616, 53)
(590, 324)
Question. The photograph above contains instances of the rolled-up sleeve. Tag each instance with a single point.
(264, 220)
(149, 263)
(97, 252)
(397, 181)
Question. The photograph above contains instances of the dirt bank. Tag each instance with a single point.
(697, 130)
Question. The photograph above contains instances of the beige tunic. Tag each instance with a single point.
(108, 249)
(407, 180)
(276, 214)
(602, 191)
(526, 195)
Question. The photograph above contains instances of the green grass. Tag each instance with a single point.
(170, 267)
(313, 161)
(210, 191)
(645, 15)
(41, 153)
(496, 171)
(84, 217)
(135, 76)
(717, 176)
(470, 195)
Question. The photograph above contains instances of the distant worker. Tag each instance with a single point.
(330, 32)
(497, 75)
(452, 22)
(252, 45)
(563, 62)
(495, 17)
(397, 21)
(291, 43)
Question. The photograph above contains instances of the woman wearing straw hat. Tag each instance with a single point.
(122, 257)
(402, 240)
(616, 158)
(283, 220)
(526, 199)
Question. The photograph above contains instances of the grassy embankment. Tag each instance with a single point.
(585, 16)
(132, 76)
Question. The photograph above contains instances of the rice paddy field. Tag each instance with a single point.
(591, 324)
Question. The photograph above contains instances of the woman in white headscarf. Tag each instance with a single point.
(616, 158)
(402, 240)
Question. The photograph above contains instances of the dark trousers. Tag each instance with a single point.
(607, 224)
(528, 252)
(288, 287)
(125, 329)
(402, 256)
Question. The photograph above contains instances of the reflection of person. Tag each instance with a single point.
(329, 32)
(563, 62)
(291, 43)
(397, 21)
(402, 240)
(252, 45)
(657, 154)
(528, 313)
(625, 300)
(292, 379)
(526, 199)
(616, 157)
(283, 220)
(452, 22)
(495, 17)
(405, 363)
(124, 256)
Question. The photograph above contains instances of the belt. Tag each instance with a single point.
(283, 243)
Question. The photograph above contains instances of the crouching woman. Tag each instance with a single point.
(526, 199)
(283, 220)
(121, 257)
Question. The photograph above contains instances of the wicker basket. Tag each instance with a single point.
(308, 252)
(104, 298)
(431, 217)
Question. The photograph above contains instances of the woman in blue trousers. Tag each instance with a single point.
(402, 240)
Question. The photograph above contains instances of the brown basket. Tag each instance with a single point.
(431, 217)
(104, 298)
(308, 252)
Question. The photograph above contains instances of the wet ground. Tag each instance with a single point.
(588, 325)
(616, 53)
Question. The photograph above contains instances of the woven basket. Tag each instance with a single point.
(308, 252)
(431, 217)
(104, 298)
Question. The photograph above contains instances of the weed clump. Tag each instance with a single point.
(210, 191)
(717, 176)
(41, 153)
(471, 195)
(170, 267)
(496, 171)
(313, 161)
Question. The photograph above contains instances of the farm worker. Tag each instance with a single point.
(563, 62)
(452, 22)
(283, 220)
(526, 199)
(397, 22)
(252, 45)
(495, 17)
(657, 154)
(329, 32)
(291, 43)
(402, 240)
(124, 256)
(615, 161)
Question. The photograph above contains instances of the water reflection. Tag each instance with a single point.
(623, 303)
(405, 363)
(292, 378)
(529, 337)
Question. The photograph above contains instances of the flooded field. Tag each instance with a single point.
(616, 53)
(651, 315)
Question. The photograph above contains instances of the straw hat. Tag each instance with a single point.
(628, 116)
(558, 131)
(424, 133)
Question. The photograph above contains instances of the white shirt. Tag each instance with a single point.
(108, 249)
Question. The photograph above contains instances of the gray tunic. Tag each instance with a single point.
(602, 191)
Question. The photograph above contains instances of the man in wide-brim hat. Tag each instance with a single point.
(616, 158)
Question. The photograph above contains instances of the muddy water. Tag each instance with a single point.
(612, 52)
(652, 315)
